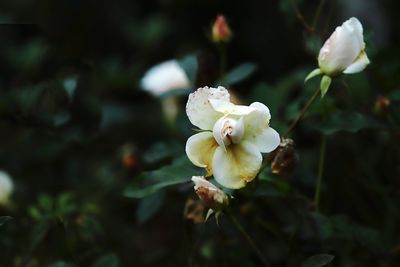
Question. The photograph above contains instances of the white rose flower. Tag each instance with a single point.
(164, 77)
(344, 50)
(6, 188)
(233, 138)
(211, 195)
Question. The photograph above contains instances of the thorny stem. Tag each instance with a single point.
(248, 238)
(302, 112)
(320, 172)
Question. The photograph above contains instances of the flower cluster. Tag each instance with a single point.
(233, 136)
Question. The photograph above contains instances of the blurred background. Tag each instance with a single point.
(100, 176)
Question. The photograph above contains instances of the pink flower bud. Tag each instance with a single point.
(221, 33)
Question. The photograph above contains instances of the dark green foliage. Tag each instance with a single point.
(102, 180)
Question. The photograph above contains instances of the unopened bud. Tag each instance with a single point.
(212, 196)
(129, 157)
(221, 33)
(381, 104)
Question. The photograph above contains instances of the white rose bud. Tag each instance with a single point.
(165, 77)
(6, 188)
(343, 52)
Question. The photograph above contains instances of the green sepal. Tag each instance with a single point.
(312, 74)
(324, 86)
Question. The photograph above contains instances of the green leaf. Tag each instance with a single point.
(109, 260)
(39, 231)
(239, 73)
(325, 83)
(160, 151)
(175, 92)
(46, 202)
(60, 264)
(149, 206)
(395, 95)
(312, 74)
(346, 121)
(4, 219)
(190, 65)
(180, 171)
(318, 260)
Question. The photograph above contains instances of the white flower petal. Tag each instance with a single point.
(6, 187)
(237, 166)
(361, 62)
(199, 109)
(342, 47)
(267, 141)
(230, 108)
(200, 150)
(263, 108)
(218, 134)
(164, 77)
(257, 130)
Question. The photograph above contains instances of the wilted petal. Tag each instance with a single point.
(200, 181)
(361, 62)
(199, 110)
(236, 166)
(200, 150)
(212, 196)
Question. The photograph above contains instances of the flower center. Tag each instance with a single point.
(228, 130)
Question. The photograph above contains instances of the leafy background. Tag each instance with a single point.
(102, 180)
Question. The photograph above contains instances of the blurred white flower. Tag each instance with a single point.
(6, 188)
(344, 50)
(233, 138)
(165, 77)
(212, 196)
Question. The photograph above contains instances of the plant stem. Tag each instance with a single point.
(248, 238)
(318, 13)
(223, 59)
(300, 17)
(302, 112)
(320, 172)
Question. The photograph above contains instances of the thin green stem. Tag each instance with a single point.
(302, 112)
(318, 13)
(223, 59)
(320, 172)
(248, 238)
(301, 18)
